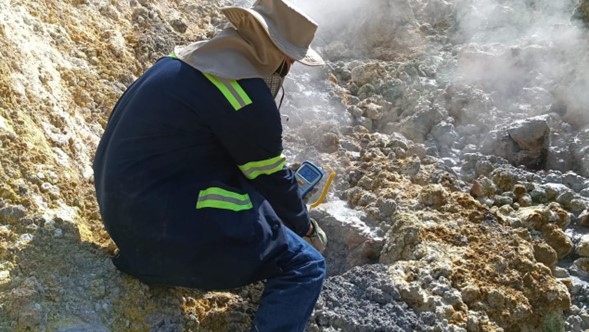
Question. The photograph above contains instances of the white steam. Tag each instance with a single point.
(509, 47)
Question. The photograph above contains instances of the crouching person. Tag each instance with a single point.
(190, 174)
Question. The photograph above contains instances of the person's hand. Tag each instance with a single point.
(310, 194)
(294, 166)
(316, 236)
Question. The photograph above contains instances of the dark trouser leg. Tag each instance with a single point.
(289, 298)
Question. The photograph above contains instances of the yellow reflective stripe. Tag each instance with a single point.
(173, 55)
(232, 100)
(242, 95)
(220, 198)
(254, 169)
(231, 90)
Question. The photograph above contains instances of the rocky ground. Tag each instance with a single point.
(458, 131)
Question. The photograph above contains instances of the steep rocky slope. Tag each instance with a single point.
(432, 224)
(64, 64)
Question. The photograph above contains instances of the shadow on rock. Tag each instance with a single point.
(52, 280)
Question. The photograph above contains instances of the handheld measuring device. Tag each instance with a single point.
(308, 175)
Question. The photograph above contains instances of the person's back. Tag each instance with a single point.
(148, 157)
(191, 180)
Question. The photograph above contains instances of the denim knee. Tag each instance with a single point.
(317, 260)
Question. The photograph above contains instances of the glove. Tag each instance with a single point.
(317, 238)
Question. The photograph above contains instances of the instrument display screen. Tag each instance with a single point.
(308, 173)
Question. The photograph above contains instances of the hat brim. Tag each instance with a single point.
(312, 58)
(235, 15)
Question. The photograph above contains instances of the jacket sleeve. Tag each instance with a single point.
(253, 137)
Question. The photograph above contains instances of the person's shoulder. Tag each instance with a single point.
(257, 91)
(254, 84)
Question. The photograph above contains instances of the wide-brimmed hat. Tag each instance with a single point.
(289, 29)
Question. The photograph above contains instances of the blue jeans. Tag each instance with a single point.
(289, 298)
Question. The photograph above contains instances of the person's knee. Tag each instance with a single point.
(318, 262)
(322, 268)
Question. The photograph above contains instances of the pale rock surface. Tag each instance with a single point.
(583, 246)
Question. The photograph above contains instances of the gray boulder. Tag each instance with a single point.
(580, 151)
(351, 240)
(523, 143)
(418, 125)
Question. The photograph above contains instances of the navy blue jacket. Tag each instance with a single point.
(191, 182)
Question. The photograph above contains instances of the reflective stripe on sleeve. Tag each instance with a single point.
(254, 169)
(231, 90)
(220, 198)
